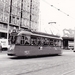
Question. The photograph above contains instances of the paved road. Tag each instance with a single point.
(49, 65)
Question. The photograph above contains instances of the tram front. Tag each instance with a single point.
(12, 41)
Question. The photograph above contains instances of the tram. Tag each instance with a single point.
(30, 43)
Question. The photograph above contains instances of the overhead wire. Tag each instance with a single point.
(56, 8)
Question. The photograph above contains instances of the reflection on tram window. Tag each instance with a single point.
(27, 40)
(13, 39)
(46, 41)
(22, 40)
(42, 41)
(33, 40)
(57, 43)
(51, 42)
(60, 44)
(38, 40)
(18, 41)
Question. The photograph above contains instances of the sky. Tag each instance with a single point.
(60, 11)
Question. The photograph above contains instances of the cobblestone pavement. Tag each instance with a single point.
(50, 65)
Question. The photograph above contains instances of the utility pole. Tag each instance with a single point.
(21, 14)
(9, 17)
(30, 14)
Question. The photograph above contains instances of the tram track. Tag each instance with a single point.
(47, 68)
(68, 72)
(60, 65)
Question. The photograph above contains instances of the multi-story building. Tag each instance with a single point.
(22, 14)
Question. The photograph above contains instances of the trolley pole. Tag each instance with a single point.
(51, 25)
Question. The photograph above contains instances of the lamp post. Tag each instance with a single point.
(30, 15)
(9, 17)
(21, 14)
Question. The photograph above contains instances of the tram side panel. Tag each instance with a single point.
(36, 50)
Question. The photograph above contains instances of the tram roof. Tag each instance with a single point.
(47, 36)
(24, 32)
(40, 34)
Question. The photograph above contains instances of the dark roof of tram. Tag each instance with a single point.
(41, 33)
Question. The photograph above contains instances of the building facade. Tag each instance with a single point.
(68, 38)
(22, 14)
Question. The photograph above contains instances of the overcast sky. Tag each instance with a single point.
(65, 18)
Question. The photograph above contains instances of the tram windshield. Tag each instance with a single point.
(12, 38)
(23, 40)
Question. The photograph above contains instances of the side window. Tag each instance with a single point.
(42, 41)
(18, 41)
(51, 42)
(22, 39)
(27, 40)
(33, 40)
(46, 41)
(57, 43)
(13, 39)
(38, 40)
(60, 44)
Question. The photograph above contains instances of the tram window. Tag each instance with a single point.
(22, 40)
(47, 41)
(33, 40)
(42, 41)
(27, 40)
(13, 39)
(51, 42)
(55, 42)
(59, 43)
(18, 41)
(38, 40)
